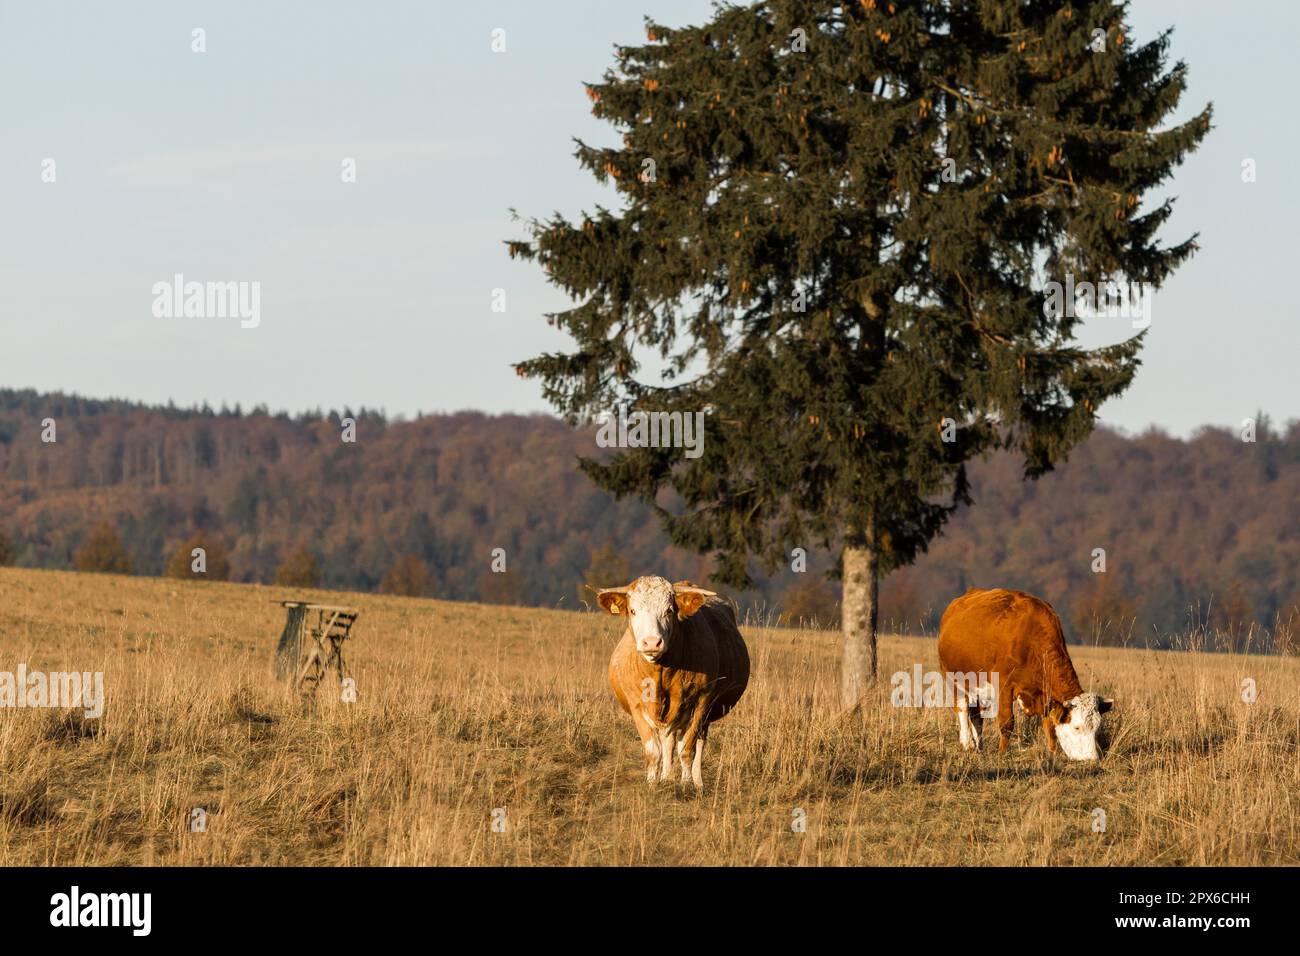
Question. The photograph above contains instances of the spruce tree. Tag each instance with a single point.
(836, 231)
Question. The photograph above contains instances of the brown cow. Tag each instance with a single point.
(1018, 637)
(680, 665)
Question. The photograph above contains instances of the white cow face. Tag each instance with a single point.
(1077, 730)
(652, 606)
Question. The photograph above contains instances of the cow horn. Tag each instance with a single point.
(687, 586)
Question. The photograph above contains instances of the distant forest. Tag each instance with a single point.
(1200, 534)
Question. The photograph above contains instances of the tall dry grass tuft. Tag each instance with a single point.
(469, 716)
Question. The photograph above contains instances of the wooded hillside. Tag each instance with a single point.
(1204, 531)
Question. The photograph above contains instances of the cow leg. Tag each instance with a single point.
(666, 747)
(1049, 731)
(652, 758)
(686, 752)
(690, 756)
(1006, 720)
(690, 753)
(968, 724)
(649, 746)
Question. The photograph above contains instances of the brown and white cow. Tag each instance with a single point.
(1018, 637)
(680, 665)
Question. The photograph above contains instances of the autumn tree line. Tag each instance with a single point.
(1136, 539)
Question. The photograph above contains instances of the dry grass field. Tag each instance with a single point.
(463, 709)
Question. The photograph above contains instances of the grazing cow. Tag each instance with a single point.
(1018, 637)
(680, 665)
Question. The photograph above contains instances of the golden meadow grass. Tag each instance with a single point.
(463, 709)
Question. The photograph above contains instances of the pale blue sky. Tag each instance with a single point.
(226, 166)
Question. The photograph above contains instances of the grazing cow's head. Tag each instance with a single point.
(652, 605)
(1077, 728)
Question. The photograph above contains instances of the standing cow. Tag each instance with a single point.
(680, 665)
(1018, 637)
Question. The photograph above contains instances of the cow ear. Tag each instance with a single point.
(1104, 705)
(613, 600)
(690, 600)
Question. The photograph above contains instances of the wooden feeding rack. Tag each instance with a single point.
(312, 643)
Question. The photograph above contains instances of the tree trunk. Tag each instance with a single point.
(859, 611)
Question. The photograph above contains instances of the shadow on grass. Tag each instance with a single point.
(71, 726)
